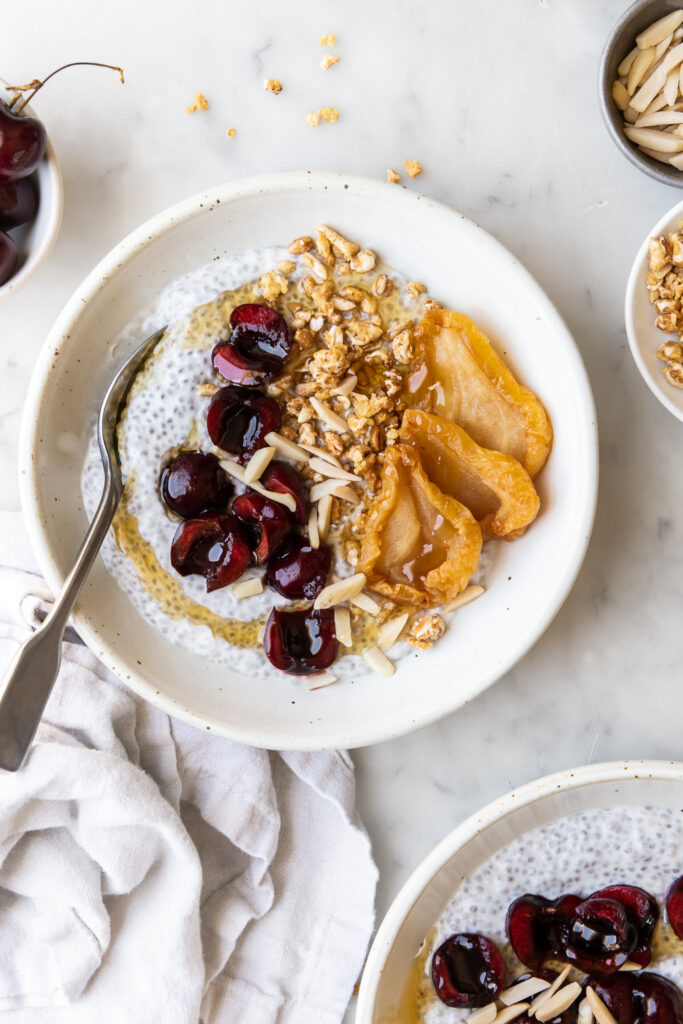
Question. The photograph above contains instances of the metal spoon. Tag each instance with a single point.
(26, 687)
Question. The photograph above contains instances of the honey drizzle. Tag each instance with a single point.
(417, 993)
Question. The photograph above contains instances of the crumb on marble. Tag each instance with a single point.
(329, 114)
(393, 176)
(230, 134)
(413, 168)
(329, 40)
(200, 103)
(328, 60)
(273, 85)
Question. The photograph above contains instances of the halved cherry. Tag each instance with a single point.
(674, 906)
(538, 928)
(658, 999)
(283, 478)
(267, 522)
(193, 483)
(601, 937)
(643, 912)
(239, 419)
(616, 992)
(467, 971)
(300, 642)
(257, 348)
(213, 546)
(298, 570)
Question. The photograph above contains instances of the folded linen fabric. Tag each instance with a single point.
(150, 872)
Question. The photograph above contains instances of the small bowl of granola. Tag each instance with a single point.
(654, 310)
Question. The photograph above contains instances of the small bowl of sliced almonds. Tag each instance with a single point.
(641, 87)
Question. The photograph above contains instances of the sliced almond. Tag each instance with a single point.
(601, 1013)
(584, 1014)
(328, 416)
(342, 625)
(626, 63)
(257, 463)
(510, 1012)
(390, 631)
(341, 590)
(662, 157)
(523, 990)
(347, 385)
(468, 595)
(379, 662)
(640, 66)
(335, 472)
(320, 679)
(675, 161)
(313, 534)
(538, 1002)
(324, 515)
(366, 604)
(484, 1015)
(657, 104)
(234, 469)
(620, 95)
(660, 141)
(630, 115)
(660, 117)
(663, 46)
(237, 472)
(658, 30)
(334, 487)
(247, 588)
(630, 965)
(650, 89)
(320, 453)
(558, 1003)
(287, 447)
(671, 86)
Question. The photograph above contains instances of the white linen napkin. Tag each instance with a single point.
(150, 872)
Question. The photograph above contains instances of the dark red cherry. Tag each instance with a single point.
(22, 144)
(283, 478)
(257, 348)
(658, 1000)
(18, 201)
(674, 907)
(601, 936)
(213, 546)
(616, 992)
(300, 642)
(538, 928)
(267, 523)
(239, 419)
(194, 483)
(643, 912)
(8, 257)
(299, 571)
(467, 971)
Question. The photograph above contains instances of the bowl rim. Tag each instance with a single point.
(654, 384)
(660, 172)
(122, 253)
(39, 254)
(498, 809)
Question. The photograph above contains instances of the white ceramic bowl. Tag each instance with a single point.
(465, 268)
(36, 239)
(643, 337)
(422, 899)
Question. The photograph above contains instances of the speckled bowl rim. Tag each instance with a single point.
(269, 735)
(657, 384)
(610, 113)
(51, 193)
(533, 792)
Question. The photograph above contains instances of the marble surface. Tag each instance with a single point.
(497, 100)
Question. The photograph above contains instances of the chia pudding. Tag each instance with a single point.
(583, 853)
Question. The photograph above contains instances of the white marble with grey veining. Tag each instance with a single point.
(497, 100)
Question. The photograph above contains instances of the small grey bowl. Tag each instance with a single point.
(621, 41)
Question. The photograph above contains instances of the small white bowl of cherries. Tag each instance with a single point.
(30, 186)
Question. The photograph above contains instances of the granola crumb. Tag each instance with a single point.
(329, 40)
(272, 285)
(230, 133)
(200, 103)
(329, 114)
(286, 266)
(426, 631)
(300, 245)
(415, 289)
(413, 168)
(273, 85)
(393, 176)
(328, 60)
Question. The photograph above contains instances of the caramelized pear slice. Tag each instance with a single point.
(495, 488)
(420, 546)
(457, 374)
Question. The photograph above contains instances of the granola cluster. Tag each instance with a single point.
(665, 286)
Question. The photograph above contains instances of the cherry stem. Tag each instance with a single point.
(20, 101)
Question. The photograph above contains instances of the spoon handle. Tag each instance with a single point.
(29, 680)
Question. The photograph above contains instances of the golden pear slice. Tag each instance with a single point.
(496, 489)
(457, 374)
(420, 546)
